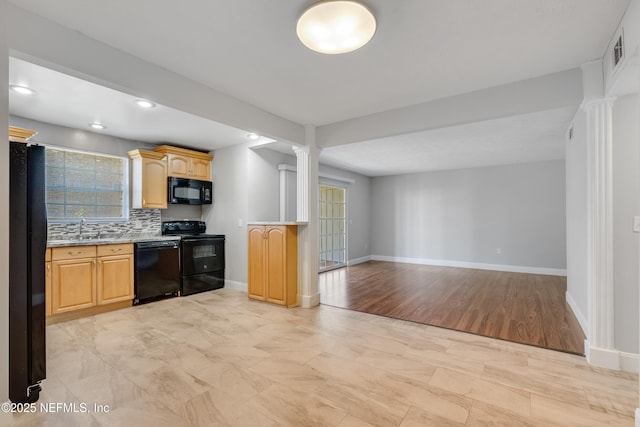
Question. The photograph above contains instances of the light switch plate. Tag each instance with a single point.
(636, 224)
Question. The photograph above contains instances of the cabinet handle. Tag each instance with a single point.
(116, 249)
(94, 262)
(75, 252)
(144, 202)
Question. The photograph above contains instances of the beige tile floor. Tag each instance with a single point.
(218, 359)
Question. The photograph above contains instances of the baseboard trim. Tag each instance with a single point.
(612, 359)
(476, 265)
(236, 286)
(582, 320)
(359, 260)
(630, 362)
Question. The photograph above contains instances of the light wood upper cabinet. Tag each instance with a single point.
(201, 169)
(179, 166)
(273, 263)
(149, 179)
(183, 163)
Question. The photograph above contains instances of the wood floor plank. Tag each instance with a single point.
(523, 308)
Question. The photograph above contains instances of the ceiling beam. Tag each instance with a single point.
(553, 91)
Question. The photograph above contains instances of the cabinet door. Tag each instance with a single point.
(256, 263)
(115, 279)
(276, 254)
(200, 169)
(73, 285)
(179, 166)
(154, 184)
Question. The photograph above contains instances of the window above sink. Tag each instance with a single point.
(82, 185)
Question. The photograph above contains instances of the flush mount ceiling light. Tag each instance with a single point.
(96, 125)
(336, 26)
(253, 136)
(143, 103)
(21, 89)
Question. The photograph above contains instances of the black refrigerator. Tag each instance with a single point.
(27, 245)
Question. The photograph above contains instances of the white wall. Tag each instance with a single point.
(4, 208)
(264, 190)
(576, 196)
(465, 215)
(626, 204)
(231, 204)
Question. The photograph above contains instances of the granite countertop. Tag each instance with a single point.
(106, 240)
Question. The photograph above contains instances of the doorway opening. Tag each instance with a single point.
(332, 227)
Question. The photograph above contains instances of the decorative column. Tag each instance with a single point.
(307, 218)
(599, 347)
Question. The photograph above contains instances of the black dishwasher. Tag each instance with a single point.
(157, 270)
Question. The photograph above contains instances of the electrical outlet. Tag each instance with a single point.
(636, 224)
(138, 223)
(239, 222)
(498, 251)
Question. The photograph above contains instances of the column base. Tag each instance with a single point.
(308, 301)
(603, 358)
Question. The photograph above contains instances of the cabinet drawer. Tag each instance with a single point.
(73, 252)
(120, 249)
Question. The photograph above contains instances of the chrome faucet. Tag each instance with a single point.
(80, 225)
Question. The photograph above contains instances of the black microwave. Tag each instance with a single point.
(183, 191)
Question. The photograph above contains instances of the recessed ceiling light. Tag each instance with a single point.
(253, 136)
(24, 90)
(96, 125)
(336, 26)
(143, 103)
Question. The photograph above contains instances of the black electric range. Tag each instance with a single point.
(201, 256)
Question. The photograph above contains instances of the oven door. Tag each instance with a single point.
(202, 255)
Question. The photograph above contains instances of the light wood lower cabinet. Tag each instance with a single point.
(87, 280)
(273, 263)
(73, 283)
(115, 273)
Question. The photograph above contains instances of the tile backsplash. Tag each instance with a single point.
(142, 222)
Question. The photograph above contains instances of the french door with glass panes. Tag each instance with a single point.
(332, 227)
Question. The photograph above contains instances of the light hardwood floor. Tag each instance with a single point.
(219, 359)
(524, 308)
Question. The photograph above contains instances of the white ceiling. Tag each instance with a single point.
(516, 139)
(423, 50)
(72, 102)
